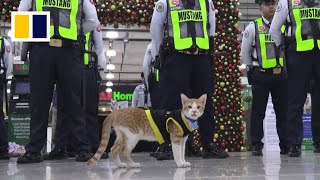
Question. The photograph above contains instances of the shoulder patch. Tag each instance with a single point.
(98, 28)
(8, 49)
(246, 34)
(175, 2)
(160, 7)
(212, 6)
(279, 7)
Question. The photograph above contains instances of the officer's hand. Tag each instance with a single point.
(211, 43)
(250, 70)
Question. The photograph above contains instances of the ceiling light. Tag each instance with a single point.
(112, 34)
(110, 76)
(109, 84)
(111, 52)
(108, 90)
(110, 67)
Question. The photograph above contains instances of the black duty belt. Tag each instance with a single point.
(275, 71)
(197, 52)
(59, 43)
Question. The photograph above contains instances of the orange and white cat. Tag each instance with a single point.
(132, 125)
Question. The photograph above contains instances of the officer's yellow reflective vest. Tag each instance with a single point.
(87, 47)
(266, 51)
(185, 15)
(1, 45)
(305, 24)
(70, 6)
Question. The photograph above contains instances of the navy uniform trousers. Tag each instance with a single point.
(64, 137)
(3, 127)
(315, 116)
(302, 66)
(193, 76)
(63, 65)
(263, 84)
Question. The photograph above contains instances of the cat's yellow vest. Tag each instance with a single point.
(159, 122)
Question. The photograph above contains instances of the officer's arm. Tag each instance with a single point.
(147, 64)
(279, 19)
(90, 21)
(25, 5)
(248, 37)
(157, 22)
(8, 58)
(98, 48)
(212, 18)
(135, 97)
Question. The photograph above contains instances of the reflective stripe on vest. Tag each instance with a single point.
(1, 42)
(265, 46)
(86, 55)
(157, 75)
(71, 5)
(302, 27)
(185, 15)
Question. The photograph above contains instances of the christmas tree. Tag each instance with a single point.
(6, 6)
(125, 12)
(228, 110)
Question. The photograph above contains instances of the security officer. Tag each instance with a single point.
(60, 61)
(151, 78)
(182, 35)
(266, 72)
(5, 72)
(302, 49)
(315, 116)
(63, 137)
(139, 97)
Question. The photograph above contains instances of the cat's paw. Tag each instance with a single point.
(183, 164)
(122, 165)
(135, 165)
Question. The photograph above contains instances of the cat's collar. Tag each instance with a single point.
(189, 119)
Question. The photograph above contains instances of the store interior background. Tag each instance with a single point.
(129, 46)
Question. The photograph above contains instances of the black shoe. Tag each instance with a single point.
(284, 150)
(71, 154)
(295, 151)
(4, 155)
(257, 150)
(155, 153)
(83, 156)
(214, 151)
(192, 152)
(316, 148)
(105, 156)
(56, 154)
(29, 157)
(164, 152)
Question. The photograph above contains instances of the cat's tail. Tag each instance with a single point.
(106, 130)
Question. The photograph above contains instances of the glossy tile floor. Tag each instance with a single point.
(271, 166)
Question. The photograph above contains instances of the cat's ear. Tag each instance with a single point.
(203, 98)
(184, 98)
